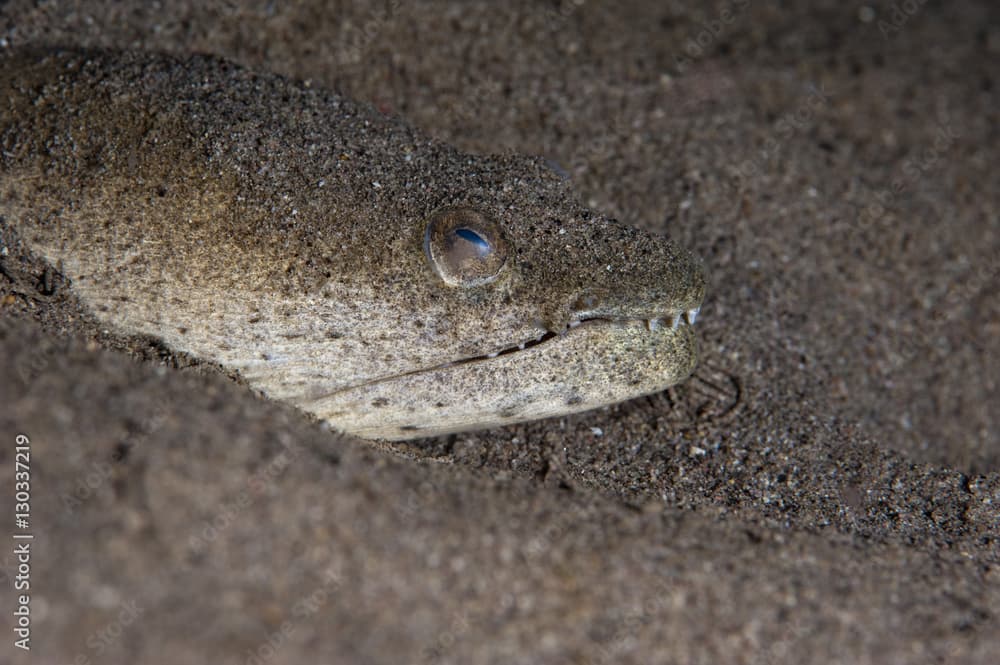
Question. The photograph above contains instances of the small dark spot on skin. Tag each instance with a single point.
(265, 356)
(439, 405)
(121, 452)
(161, 191)
(381, 401)
(418, 323)
(182, 330)
(575, 399)
(333, 334)
(508, 413)
(332, 459)
(408, 428)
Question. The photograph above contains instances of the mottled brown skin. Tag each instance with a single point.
(279, 230)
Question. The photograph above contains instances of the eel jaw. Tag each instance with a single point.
(594, 361)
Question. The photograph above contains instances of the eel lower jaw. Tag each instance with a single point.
(590, 363)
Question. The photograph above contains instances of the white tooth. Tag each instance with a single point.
(653, 324)
(676, 322)
(693, 314)
(492, 355)
(574, 324)
(521, 346)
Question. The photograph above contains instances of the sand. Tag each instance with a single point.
(825, 489)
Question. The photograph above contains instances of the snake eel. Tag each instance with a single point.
(334, 257)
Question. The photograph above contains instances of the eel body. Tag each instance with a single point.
(336, 258)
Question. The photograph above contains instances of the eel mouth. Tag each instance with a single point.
(672, 321)
(593, 360)
(576, 325)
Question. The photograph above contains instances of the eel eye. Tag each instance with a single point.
(464, 246)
